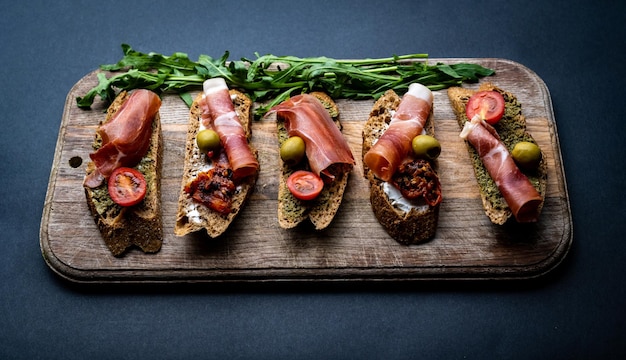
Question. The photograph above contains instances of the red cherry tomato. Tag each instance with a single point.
(127, 187)
(305, 185)
(489, 105)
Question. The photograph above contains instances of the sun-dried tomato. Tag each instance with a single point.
(416, 178)
(214, 189)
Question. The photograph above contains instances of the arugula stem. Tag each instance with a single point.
(383, 60)
(381, 69)
(189, 78)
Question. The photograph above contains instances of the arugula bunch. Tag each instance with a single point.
(275, 78)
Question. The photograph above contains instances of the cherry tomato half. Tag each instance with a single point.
(127, 187)
(305, 185)
(489, 105)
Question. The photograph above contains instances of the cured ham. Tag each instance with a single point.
(518, 192)
(305, 116)
(125, 137)
(408, 121)
(219, 113)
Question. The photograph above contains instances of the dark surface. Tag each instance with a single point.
(577, 311)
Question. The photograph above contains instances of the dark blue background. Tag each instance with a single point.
(577, 311)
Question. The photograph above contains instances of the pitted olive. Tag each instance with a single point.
(527, 155)
(426, 147)
(292, 150)
(208, 140)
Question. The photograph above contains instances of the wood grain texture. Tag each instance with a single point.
(354, 247)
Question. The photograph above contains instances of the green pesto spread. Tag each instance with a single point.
(103, 202)
(332, 110)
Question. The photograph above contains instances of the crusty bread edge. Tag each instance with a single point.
(140, 225)
(458, 97)
(408, 228)
(321, 211)
(214, 223)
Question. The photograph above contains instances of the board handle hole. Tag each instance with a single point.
(76, 161)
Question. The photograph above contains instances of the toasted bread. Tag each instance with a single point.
(192, 216)
(322, 210)
(511, 129)
(407, 226)
(140, 225)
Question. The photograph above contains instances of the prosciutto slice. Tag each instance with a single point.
(219, 114)
(521, 196)
(408, 121)
(125, 137)
(305, 116)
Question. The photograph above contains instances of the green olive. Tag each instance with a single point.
(208, 140)
(292, 150)
(426, 146)
(527, 155)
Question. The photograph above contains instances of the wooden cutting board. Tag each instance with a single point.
(355, 247)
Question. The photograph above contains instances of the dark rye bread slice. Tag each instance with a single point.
(213, 222)
(320, 211)
(511, 129)
(412, 227)
(140, 225)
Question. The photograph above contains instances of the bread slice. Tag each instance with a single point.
(192, 216)
(416, 225)
(511, 129)
(320, 211)
(140, 225)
